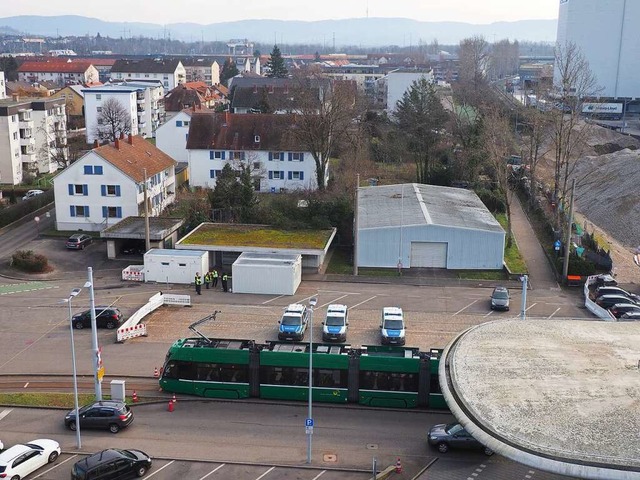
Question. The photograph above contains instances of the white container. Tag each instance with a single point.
(174, 266)
(268, 274)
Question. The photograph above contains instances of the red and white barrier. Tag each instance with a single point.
(133, 273)
(133, 328)
(139, 330)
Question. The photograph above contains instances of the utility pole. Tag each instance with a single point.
(97, 361)
(355, 228)
(567, 247)
(147, 240)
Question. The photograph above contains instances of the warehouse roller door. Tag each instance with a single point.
(428, 255)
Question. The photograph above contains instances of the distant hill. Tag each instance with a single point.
(356, 31)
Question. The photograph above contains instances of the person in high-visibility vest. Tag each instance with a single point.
(215, 278)
(198, 282)
(207, 280)
(225, 286)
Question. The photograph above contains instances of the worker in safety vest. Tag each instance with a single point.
(225, 285)
(207, 280)
(214, 276)
(198, 282)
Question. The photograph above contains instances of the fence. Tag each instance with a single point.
(133, 328)
(592, 306)
(134, 273)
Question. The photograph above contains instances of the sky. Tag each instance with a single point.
(206, 11)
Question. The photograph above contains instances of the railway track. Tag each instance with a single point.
(57, 383)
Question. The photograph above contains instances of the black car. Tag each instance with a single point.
(112, 464)
(106, 414)
(78, 241)
(500, 299)
(453, 435)
(608, 301)
(133, 247)
(106, 317)
(620, 309)
(610, 290)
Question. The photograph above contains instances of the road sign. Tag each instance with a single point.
(308, 422)
(100, 374)
(308, 430)
(557, 245)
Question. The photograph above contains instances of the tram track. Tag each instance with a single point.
(62, 383)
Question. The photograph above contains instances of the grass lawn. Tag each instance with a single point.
(512, 257)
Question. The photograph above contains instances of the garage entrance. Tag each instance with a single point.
(428, 255)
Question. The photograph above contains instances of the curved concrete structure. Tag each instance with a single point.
(558, 395)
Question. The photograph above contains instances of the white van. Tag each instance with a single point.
(335, 325)
(392, 327)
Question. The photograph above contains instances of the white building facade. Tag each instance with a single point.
(171, 136)
(149, 107)
(170, 72)
(396, 83)
(606, 33)
(94, 99)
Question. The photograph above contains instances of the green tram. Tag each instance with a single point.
(377, 376)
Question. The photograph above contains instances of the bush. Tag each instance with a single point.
(28, 261)
(577, 265)
(493, 201)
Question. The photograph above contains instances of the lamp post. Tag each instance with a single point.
(94, 335)
(74, 293)
(309, 423)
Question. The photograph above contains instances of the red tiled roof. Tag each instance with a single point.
(54, 67)
(133, 158)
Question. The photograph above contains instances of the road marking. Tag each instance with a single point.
(557, 310)
(332, 301)
(160, 469)
(213, 471)
(265, 473)
(268, 301)
(490, 312)
(56, 466)
(464, 308)
(531, 306)
(5, 412)
(318, 475)
(25, 287)
(26, 385)
(365, 301)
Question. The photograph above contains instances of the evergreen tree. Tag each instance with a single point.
(275, 65)
(229, 70)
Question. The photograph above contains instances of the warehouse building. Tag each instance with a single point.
(426, 226)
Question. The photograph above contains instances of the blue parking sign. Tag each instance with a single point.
(308, 422)
(557, 245)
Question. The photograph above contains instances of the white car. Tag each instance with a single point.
(32, 193)
(20, 460)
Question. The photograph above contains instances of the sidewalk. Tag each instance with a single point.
(541, 276)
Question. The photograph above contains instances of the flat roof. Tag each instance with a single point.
(133, 227)
(170, 252)
(559, 395)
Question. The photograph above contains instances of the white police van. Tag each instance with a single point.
(392, 327)
(336, 323)
(293, 323)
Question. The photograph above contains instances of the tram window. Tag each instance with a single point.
(434, 384)
(170, 371)
(284, 376)
(222, 372)
(330, 378)
(390, 381)
(182, 370)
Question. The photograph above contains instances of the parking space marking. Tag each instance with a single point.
(213, 471)
(557, 310)
(5, 412)
(274, 298)
(332, 301)
(318, 475)
(56, 466)
(26, 385)
(160, 469)
(530, 306)
(265, 473)
(464, 308)
(365, 301)
(490, 312)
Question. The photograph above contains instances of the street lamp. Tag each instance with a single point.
(94, 335)
(309, 423)
(74, 293)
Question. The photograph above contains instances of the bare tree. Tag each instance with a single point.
(113, 120)
(503, 59)
(473, 56)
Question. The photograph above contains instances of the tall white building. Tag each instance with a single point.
(606, 31)
(3, 87)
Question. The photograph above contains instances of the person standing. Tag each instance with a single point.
(207, 280)
(225, 285)
(198, 282)
(214, 277)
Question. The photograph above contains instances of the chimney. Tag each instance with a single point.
(227, 117)
(96, 144)
(255, 89)
(117, 144)
(193, 107)
(15, 97)
(121, 135)
(130, 139)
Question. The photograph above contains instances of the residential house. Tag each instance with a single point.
(201, 69)
(394, 85)
(260, 142)
(170, 72)
(193, 94)
(74, 99)
(103, 65)
(365, 76)
(60, 71)
(171, 136)
(29, 89)
(107, 184)
(33, 137)
(151, 110)
(264, 99)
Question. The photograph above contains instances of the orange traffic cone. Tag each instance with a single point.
(156, 373)
(135, 397)
(398, 466)
(173, 400)
(170, 406)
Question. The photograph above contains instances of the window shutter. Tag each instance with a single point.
(105, 212)
(72, 210)
(98, 169)
(212, 174)
(178, 123)
(86, 211)
(302, 157)
(119, 212)
(211, 155)
(223, 155)
(301, 175)
(88, 170)
(71, 189)
(290, 175)
(282, 175)
(270, 175)
(290, 156)
(186, 137)
(85, 190)
(103, 190)
(117, 190)
(270, 156)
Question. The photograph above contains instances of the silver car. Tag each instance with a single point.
(453, 435)
(500, 299)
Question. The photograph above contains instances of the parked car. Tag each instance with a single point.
(20, 460)
(612, 290)
(608, 301)
(336, 323)
(293, 323)
(112, 464)
(630, 316)
(31, 194)
(620, 309)
(133, 247)
(392, 327)
(500, 299)
(78, 241)
(106, 414)
(453, 435)
(106, 317)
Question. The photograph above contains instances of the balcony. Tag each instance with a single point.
(140, 100)
(29, 157)
(141, 111)
(27, 141)
(25, 123)
(142, 124)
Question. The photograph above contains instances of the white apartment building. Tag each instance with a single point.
(201, 69)
(107, 184)
(170, 72)
(172, 136)
(150, 109)
(3, 87)
(95, 98)
(59, 71)
(397, 82)
(33, 137)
